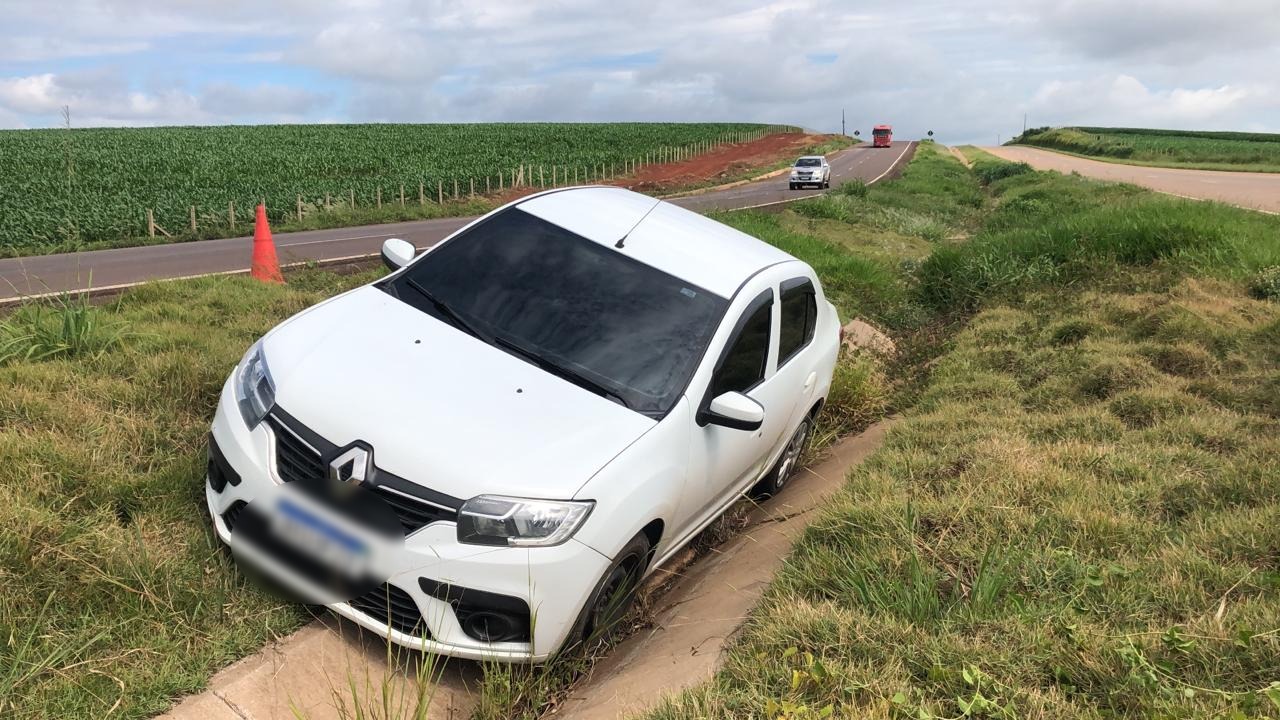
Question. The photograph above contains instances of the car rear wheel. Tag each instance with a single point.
(615, 592)
(787, 465)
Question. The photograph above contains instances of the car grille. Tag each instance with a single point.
(296, 460)
(391, 606)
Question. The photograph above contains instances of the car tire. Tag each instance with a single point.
(785, 468)
(792, 186)
(616, 590)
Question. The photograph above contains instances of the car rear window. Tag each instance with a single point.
(626, 326)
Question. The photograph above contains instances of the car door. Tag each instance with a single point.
(796, 370)
(725, 461)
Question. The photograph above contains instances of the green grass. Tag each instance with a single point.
(1080, 514)
(63, 188)
(115, 589)
(1255, 152)
(1066, 230)
(1079, 519)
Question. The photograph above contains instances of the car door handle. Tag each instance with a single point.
(810, 382)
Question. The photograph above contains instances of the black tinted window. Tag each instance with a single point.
(744, 363)
(799, 315)
(623, 325)
(808, 162)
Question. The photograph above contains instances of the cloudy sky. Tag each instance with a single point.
(967, 70)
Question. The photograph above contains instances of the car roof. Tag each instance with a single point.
(812, 157)
(682, 243)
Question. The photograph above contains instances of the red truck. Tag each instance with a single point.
(881, 136)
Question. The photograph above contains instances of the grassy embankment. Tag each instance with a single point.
(117, 597)
(1080, 516)
(1252, 152)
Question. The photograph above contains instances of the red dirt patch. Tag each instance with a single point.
(725, 163)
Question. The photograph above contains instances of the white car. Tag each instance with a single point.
(811, 170)
(548, 404)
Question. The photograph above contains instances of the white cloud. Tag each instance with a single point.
(967, 69)
(1124, 100)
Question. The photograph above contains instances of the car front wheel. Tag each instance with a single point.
(615, 592)
(786, 466)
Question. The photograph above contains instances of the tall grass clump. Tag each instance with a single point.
(64, 326)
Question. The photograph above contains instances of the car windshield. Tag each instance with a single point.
(808, 162)
(577, 308)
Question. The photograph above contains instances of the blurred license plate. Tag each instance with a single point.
(315, 535)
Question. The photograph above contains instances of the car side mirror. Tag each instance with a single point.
(734, 410)
(397, 253)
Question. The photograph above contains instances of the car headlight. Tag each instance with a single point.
(255, 390)
(507, 521)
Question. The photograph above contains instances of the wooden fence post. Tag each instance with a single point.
(473, 188)
(299, 208)
(379, 197)
(328, 202)
(455, 188)
(231, 214)
(352, 193)
(440, 192)
(422, 195)
(553, 176)
(500, 188)
(542, 178)
(487, 187)
(401, 194)
(151, 224)
(193, 218)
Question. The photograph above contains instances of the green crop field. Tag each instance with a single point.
(1174, 148)
(60, 188)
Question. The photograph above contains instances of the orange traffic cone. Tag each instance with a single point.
(265, 265)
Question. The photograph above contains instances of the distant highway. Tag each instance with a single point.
(1256, 191)
(110, 269)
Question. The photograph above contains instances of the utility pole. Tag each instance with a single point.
(1024, 123)
(842, 132)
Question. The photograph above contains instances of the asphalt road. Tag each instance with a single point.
(109, 269)
(1257, 191)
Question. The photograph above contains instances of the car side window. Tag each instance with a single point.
(799, 316)
(742, 366)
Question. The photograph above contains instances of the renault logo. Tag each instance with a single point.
(351, 465)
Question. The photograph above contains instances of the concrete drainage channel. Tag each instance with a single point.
(315, 672)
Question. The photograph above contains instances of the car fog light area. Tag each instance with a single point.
(496, 520)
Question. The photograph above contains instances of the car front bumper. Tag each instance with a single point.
(555, 582)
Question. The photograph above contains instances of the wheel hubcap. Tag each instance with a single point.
(791, 456)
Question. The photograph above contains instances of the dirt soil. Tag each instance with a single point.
(726, 163)
(722, 164)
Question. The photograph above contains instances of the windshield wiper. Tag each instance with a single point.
(452, 316)
(556, 369)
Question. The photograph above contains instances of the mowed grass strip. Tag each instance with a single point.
(1253, 152)
(116, 595)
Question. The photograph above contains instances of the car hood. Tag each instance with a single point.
(440, 407)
